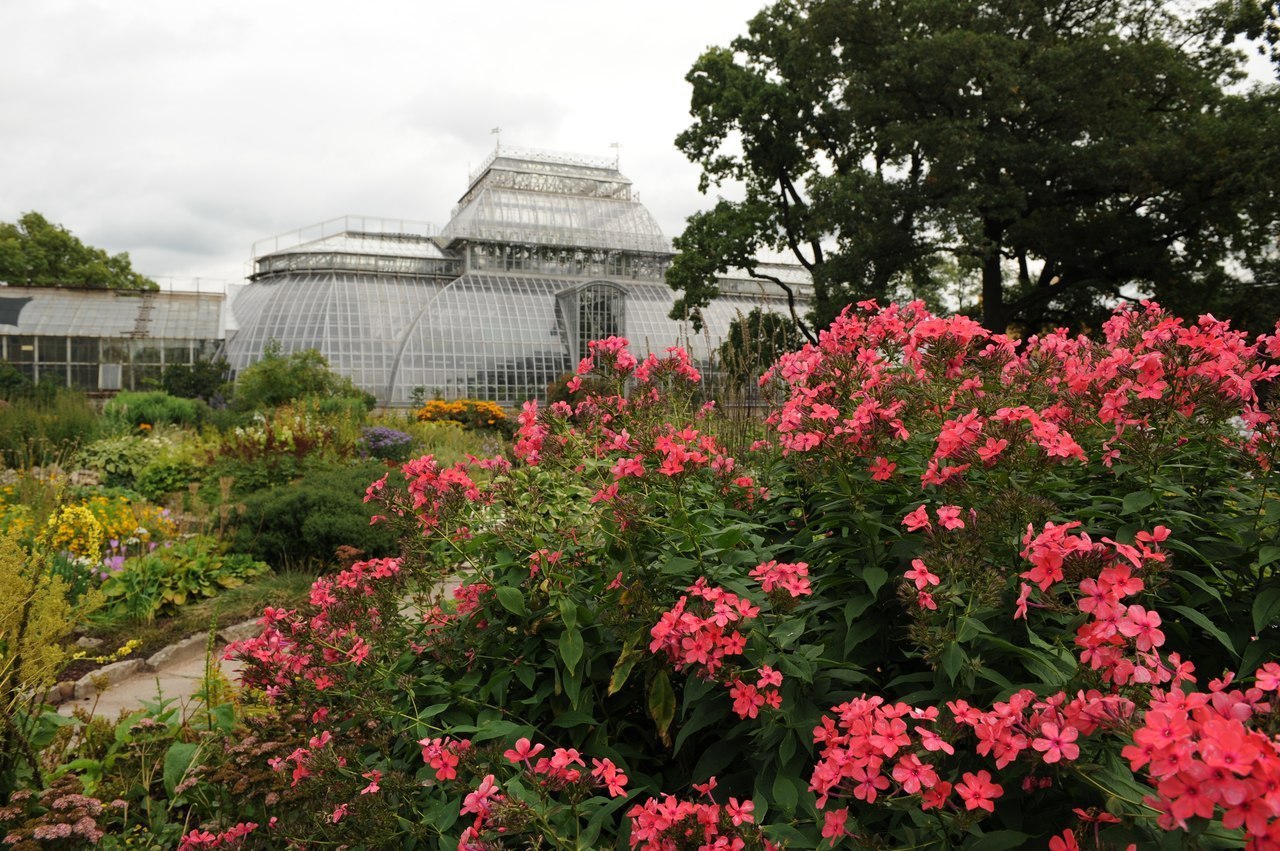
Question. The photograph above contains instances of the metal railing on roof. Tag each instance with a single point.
(342, 224)
(538, 155)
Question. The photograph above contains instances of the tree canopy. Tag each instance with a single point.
(34, 252)
(1053, 151)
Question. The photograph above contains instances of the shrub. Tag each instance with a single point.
(386, 444)
(278, 379)
(152, 408)
(961, 585)
(205, 379)
(303, 524)
(118, 460)
(158, 583)
(471, 413)
(161, 478)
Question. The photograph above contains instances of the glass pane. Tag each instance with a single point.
(53, 349)
(22, 349)
(84, 376)
(84, 349)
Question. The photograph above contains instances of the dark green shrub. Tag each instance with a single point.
(154, 407)
(161, 478)
(203, 379)
(306, 521)
(278, 379)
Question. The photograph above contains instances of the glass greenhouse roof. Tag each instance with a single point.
(556, 253)
(537, 218)
(73, 312)
(541, 198)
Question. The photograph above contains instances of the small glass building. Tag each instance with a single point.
(543, 253)
(105, 340)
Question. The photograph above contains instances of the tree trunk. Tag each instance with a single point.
(993, 308)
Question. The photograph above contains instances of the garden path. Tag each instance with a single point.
(177, 678)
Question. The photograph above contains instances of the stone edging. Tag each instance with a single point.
(116, 672)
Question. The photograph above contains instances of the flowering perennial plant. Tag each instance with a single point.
(971, 579)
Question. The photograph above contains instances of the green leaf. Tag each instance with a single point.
(1268, 554)
(785, 793)
(1204, 623)
(568, 612)
(1137, 501)
(662, 704)
(998, 840)
(512, 599)
(622, 670)
(574, 718)
(953, 659)
(571, 648)
(177, 760)
(1266, 609)
(971, 628)
(875, 577)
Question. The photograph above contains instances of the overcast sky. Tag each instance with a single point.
(182, 132)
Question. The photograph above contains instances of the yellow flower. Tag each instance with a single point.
(75, 530)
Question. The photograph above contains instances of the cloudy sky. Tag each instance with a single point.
(182, 132)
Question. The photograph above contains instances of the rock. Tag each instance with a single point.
(188, 648)
(240, 631)
(88, 643)
(86, 686)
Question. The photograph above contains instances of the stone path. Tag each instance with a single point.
(175, 672)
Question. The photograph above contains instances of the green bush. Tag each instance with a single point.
(118, 460)
(204, 379)
(158, 479)
(303, 523)
(160, 582)
(278, 379)
(154, 407)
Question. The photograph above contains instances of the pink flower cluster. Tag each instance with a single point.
(670, 823)
(870, 749)
(699, 635)
(1120, 640)
(1205, 760)
(295, 647)
(791, 579)
(228, 838)
(857, 391)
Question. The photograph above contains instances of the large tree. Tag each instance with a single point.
(1056, 150)
(34, 252)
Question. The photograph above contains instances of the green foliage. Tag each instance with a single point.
(1060, 151)
(204, 379)
(36, 616)
(37, 253)
(46, 429)
(158, 479)
(152, 408)
(754, 342)
(118, 459)
(160, 582)
(304, 523)
(278, 379)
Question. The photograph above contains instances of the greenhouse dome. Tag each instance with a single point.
(543, 253)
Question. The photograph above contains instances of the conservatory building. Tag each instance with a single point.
(543, 253)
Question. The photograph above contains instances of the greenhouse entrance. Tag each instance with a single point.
(591, 312)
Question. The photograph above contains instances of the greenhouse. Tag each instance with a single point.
(543, 253)
(105, 340)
